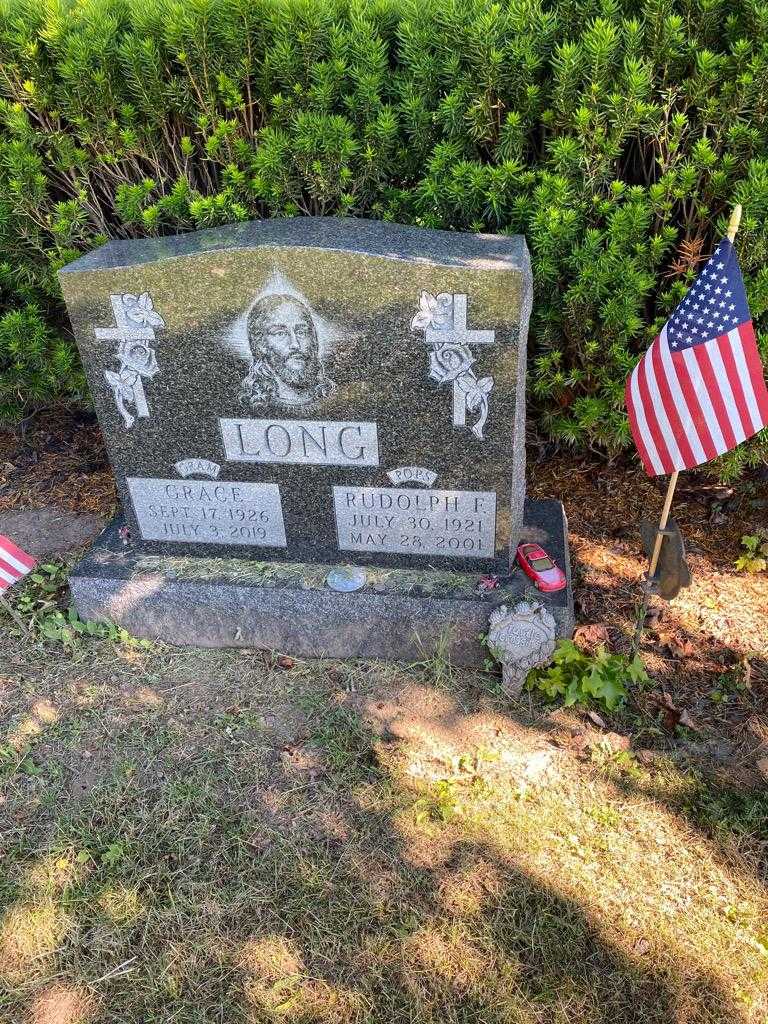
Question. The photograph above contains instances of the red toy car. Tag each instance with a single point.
(536, 563)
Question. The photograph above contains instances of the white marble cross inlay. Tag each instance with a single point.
(459, 333)
(449, 328)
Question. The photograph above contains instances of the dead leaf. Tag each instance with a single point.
(579, 742)
(591, 635)
(647, 757)
(672, 716)
(677, 648)
(707, 493)
(284, 662)
(758, 728)
(259, 842)
(301, 759)
(687, 721)
(762, 767)
(689, 254)
(746, 664)
(653, 617)
(595, 719)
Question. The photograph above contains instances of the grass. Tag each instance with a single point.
(198, 837)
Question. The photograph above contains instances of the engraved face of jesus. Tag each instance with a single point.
(282, 334)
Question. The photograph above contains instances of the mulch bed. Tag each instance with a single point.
(60, 460)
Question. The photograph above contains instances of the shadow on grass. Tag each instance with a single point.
(223, 878)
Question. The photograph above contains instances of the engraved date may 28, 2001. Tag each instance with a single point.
(459, 524)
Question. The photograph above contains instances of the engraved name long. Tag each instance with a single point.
(296, 442)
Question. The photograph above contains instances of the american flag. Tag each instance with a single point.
(14, 563)
(699, 389)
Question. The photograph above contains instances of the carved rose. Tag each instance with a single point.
(135, 355)
(449, 361)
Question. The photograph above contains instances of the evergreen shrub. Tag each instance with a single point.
(615, 134)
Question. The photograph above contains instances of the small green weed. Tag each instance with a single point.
(239, 719)
(346, 742)
(13, 761)
(42, 602)
(616, 763)
(449, 799)
(729, 684)
(605, 815)
(755, 557)
(43, 590)
(725, 811)
(443, 804)
(113, 855)
(581, 678)
(68, 628)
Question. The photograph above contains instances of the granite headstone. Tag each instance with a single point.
(283, 397)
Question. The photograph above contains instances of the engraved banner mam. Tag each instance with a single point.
(414, 521)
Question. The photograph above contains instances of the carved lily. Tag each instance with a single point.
(140, 310)
(435, 312)
(476, 397)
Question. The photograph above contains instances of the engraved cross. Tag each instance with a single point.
(458, 334)
(125, 332)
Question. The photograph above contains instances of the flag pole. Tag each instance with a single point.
(733, 227)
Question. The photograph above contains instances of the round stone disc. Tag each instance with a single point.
(346, 579)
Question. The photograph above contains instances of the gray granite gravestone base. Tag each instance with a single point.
(401, 614)
(285, 397)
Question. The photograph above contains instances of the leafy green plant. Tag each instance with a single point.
(42, 590)
(13, 760)
(614, 134)
(580, 678)
(442, 805)
(43, 603)
(728, 685)
(615, 763)
(113, 855)
(605, 815)
(755, 557)
(68, 628)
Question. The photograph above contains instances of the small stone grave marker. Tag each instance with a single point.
(283, 397)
